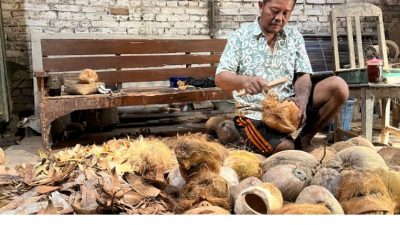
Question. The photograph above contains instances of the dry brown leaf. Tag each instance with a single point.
(60, 204)
(86, 204)
(142, 188)
(132, 198)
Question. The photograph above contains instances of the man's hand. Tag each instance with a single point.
(254, 85)
(301, 102)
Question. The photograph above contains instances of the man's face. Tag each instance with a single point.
(275, 14)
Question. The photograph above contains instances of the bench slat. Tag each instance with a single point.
(122, 76)
(113, 62)
(122, 46)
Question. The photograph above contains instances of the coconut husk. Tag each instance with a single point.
(2, 157)
(340, 145)
(363, 192)
(302, 209)
(213, 122)
(196, 154)
(88, 76)
(391, 155)
(227, 133)
(74, 88)
(315, 194)
(323, 156)
(246, 164)
(357, 158)
(282, 116)
(360, 141)
(391, 179)
(206, 186)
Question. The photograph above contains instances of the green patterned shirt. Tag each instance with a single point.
(247, 53)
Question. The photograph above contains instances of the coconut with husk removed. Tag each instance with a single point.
(302, 209)
(2, 157)
(289, 179)
(88, 76)
(323, 155)
(196, 154)
(294, 157)
(340, 145)
(314, 194)
(391, 155)
(228, 134)
(244, 184)
(363, 192)
(246, 164)
(329, 179)
(282, 116)
(360, 141)
(206, 186)
(260, 199)
(213, 122)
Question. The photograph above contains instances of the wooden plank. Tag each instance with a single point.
(123, 46)
(382, 42)
(367, 112)
(350, 42)
(335, 41)
(385, 120)
(111, 62)
(360, 51)
(361, 9)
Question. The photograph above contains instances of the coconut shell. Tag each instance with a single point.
(2, 157)
(260, 199)
(246, 164)
(340, 145)
(391, 156)
(208, 187)
(302, 209)
(196, 154)
(391, 179)
(88, 76)
(290, 179)
(323, 155)
(294, 157)
(357, 158)
(316, 195)
(213, 122)
(281, 116)
(244, 184)
(227, 133)
(329, 179)
(360, 141)
(363, 192)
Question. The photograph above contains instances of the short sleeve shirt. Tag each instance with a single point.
(247, 53)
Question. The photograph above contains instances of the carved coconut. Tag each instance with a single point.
(391, 156)
(259, 199)
(227, 133)
(360, 141)
(289, 179)
(213, 122)
(323, 155)
(357, 158)
(294, 157)
(329, 179)
(246, 164)
(319, 195)
(363, 192)
(340, 145)
(302, 209)
(244, 184)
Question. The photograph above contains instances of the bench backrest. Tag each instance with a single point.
(131, 60)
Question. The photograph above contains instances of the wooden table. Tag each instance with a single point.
(367, 93)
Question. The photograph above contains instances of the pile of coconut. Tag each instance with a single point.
(191, 175)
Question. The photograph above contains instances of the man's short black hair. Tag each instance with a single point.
(265, 1)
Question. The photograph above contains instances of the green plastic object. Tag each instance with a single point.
(356, 76)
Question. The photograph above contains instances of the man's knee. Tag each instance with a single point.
(335, 87)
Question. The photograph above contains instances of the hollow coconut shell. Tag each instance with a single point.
(260, 199)
(363, 192)
(2, 157)
(324, 156)
(302, 209)
(314, 194)
(213, 122)
(360, 141)
(289, 179)
(244, 184)
(282, 116)
(391, 156)
(206, 186)
(327, 178)
(246, 164)
(294, 157)
(88, 76)
(391, 179)
(227, 133)
(197, 154)
(357, 158)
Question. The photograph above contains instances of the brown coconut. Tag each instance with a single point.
(319, 195)
(282, 116)
(323, 156)
(88, 76)
(327, 178)
(2, 157)
(391, 179)
(206, 186)
(213, 122)
(196, 154)
(357, 158)
(360, 141)
(290, 179)
(260, 199)
(246, 164)
(294, 157)
(340, 145)
(244, 184)
(302, 209)
(391, 155)
(228, 134)
(363, 192)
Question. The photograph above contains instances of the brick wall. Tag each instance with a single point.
(139, 18)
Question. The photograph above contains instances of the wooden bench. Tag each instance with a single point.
(121, 60)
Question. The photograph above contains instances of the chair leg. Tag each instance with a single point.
(385, 121)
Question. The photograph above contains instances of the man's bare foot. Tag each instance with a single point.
(304, 143)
